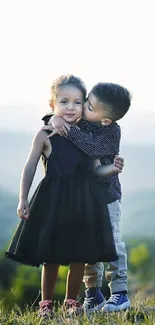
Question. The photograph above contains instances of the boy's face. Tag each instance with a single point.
(95, 111)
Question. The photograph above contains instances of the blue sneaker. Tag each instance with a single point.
(116, 302)
(94, 300)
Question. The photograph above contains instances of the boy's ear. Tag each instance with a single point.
(106, 121)
(51, 103)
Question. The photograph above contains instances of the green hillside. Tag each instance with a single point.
(8, 218)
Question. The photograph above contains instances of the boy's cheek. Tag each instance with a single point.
(86, 113)
(90, 116)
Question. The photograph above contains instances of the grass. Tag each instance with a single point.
(141, 312)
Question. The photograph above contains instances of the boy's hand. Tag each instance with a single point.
(118, 164)
(59, 125)
(109, 170)
(23, 209)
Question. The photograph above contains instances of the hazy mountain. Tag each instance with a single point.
(138, 185)
(137, 126)
(138, 213)
(138, 173)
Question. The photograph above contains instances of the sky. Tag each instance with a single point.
(95, 40)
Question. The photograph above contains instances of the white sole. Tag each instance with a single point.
(111, 308)
(96, 308)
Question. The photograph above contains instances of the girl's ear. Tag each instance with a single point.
(51, 103)
(106, 121)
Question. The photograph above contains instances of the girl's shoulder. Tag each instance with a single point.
(40, 139)
(40, 135)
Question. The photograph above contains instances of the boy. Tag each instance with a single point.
(98, 135)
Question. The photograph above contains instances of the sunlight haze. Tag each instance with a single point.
(99, 41)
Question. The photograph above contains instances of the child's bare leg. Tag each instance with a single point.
(74, 280)
(48, 280)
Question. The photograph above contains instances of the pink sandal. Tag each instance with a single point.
(72, 307)
(45, 310)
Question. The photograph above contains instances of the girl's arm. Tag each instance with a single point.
(108, 170)
(38, 145)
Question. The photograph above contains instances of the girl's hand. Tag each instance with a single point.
(23, 209)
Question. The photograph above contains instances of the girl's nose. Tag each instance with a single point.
(71, 106)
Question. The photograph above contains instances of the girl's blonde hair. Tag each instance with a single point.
(65, 80)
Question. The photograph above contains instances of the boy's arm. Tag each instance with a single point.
(29, 172)
(95, 145)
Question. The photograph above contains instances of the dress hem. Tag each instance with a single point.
(21, 259)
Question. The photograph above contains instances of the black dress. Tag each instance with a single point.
(69, 219)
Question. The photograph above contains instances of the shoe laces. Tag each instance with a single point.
(88, 301)
(114, 298)
(44, 309)
(45, 312)
(72, 303)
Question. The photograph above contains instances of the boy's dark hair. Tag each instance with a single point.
(66, 80)
(117, 97)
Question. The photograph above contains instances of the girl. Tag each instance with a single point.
(67, 221)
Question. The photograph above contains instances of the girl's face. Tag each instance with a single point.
(68, 103)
